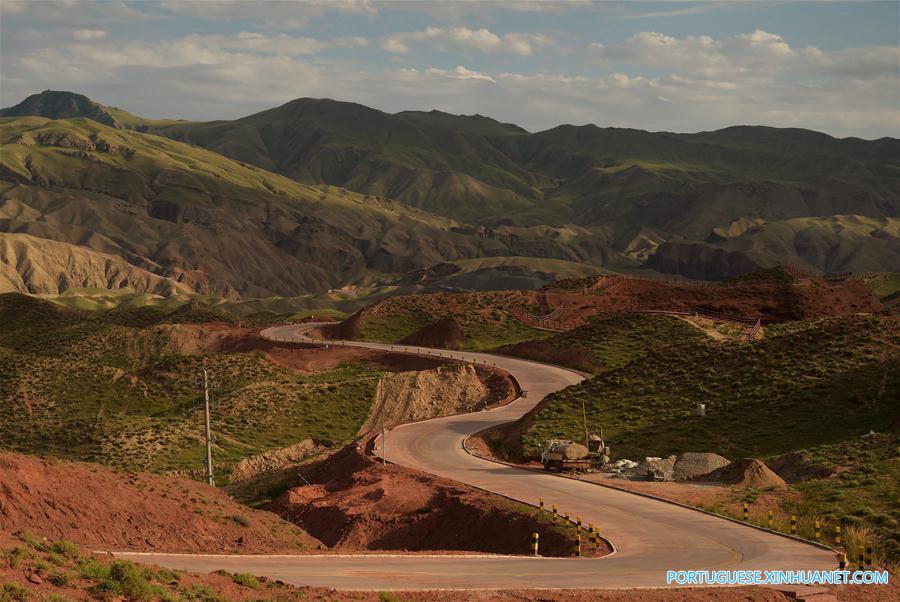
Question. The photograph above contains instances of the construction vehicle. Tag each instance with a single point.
(559, 454)
(562, 454)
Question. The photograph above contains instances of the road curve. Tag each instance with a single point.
(650, 536)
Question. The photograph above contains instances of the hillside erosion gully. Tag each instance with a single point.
(650, 536)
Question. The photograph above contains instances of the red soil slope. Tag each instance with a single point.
(355, 502)
(93, 505)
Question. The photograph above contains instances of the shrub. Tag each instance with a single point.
(240, 520)
(59, 579)
(201, 593)
(245, 579)
(65, 548)
(13, 593)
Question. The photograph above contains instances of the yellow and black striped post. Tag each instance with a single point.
(868, 557)
(793, 524)
(770, 519)
(860, 551)
(843, 561)
(837, 535)
(555, 512)
(542, 504)
(590, 527)
(592, 537)
(578, 544)
(566, 515)
(818, 532)
(534, 543)
(746, 512)
(578, 522)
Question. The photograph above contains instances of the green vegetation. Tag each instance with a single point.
(884, 285)
(564, 199)
(866, 494)
(805, 385)
(482, 318)
(245, 579)
(115, 388)
(99, 578)
(619, 339)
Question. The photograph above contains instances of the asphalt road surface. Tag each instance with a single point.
(650, 536)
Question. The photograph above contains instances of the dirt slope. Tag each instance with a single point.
(92, 505)
(441, 391)
(33, 265)
(354, 502)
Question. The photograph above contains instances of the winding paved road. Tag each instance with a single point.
(650, 536)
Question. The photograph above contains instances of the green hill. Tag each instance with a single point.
(120, 388)
(806, 384)
(213, 224)
(712, 204)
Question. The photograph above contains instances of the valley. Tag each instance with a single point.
(399, 313)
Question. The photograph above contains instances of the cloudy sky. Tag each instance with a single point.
(677, 66)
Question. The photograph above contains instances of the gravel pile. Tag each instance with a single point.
(660, 467)
(691, 465)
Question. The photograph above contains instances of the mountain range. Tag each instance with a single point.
(317, 194)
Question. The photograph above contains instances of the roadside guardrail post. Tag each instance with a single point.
(555, 512)
(793, 524)
(818, 531)
(746, 512)
(534, 543)
(542, 504)
(578, 522)
(578, 545)
(837, 535)
(770, 519)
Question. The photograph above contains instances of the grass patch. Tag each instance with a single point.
(112, 388)
(246, 580)
(817, 385)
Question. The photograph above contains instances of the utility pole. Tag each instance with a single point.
(584, 418)
(209, 462)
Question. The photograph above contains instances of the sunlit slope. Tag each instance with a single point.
(213, 223)
(477, 169)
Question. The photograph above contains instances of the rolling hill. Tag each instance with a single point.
(216, 225)
(709, 205)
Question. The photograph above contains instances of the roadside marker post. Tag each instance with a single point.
(860, 555)
(578, 522)
(818, 530)
(590, 527)
(566, 515)
(555, 512)
(793, 524)
(578, 546)
(837, 535)
(534, 543)
(770, 519)
(542, 504)
(746, 512)
(843, 561)
(868, 557)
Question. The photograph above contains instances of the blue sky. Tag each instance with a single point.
(678, 66)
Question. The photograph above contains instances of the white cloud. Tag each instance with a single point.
(649, 81)
(461, 73)
(465, 38)
(85, 35)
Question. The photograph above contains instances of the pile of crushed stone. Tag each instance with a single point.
(692, 464)
(688, 465)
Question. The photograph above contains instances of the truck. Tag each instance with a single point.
(559, 454)
(562, 454)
